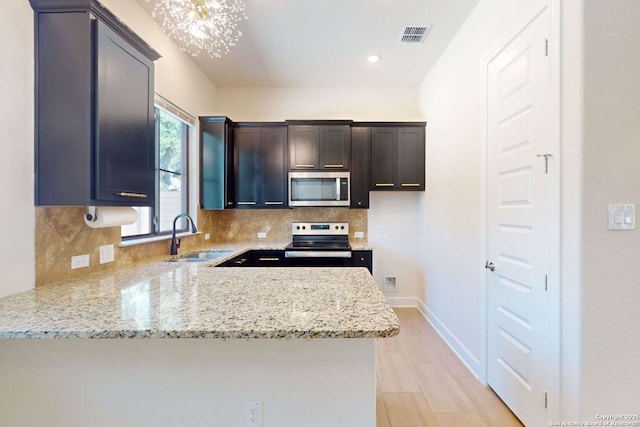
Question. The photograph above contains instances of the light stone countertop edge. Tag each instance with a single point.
(195, 301)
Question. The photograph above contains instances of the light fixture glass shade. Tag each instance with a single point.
(197, 26)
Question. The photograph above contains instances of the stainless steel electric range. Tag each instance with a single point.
(319, 244)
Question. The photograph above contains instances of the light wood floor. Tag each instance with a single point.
(422, 383)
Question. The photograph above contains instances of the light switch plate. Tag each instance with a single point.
(106, 254)
(622, 217)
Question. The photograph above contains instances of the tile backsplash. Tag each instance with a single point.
(61, 233)
(243, 225)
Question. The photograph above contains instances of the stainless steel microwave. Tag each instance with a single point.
(319, 189)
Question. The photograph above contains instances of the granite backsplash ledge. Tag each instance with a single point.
(61, 233)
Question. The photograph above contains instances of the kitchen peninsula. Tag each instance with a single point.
(185, 344)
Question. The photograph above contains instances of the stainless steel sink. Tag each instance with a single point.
(202, 256)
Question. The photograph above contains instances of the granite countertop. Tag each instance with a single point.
(195, 300)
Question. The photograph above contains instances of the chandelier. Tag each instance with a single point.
(197, 26)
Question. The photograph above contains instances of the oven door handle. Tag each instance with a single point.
(317, 254)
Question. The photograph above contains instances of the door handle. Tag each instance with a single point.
(489, 265)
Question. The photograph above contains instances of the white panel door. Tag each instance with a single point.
(519, 220)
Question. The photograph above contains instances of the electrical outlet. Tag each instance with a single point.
(106, 254)
(390, 284)
(252, 413)
(79, 261)
(262, 235)
(207, 236)
(359, 234)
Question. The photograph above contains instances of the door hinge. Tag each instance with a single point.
(546, 282)
(545, 399)
(546, 47)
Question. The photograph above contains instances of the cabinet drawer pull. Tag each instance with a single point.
(305, 166)
(246, 203)
(269, 259)
(384, 185)
(274, 203)
(410, 185)
(135, 195)
(240, 261)
(333, 166)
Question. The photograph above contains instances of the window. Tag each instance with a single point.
(172, 137)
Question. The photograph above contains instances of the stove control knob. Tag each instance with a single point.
(297, 227)
(342, 227)
(304, 227)
(336, 227)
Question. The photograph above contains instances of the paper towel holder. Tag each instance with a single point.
(91, 213)
(109, 216)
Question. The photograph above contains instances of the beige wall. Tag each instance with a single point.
(17, 215)
(357, 103)
(611, 149)
(451, 211)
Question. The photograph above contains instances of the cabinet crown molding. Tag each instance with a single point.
(320, 122)
(96, 8)
(388, 124)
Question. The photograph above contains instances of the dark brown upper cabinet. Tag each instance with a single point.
(216, 163)
(397, 156)
(260, 166)
(94, 124)
(360, 167)
(319, 145)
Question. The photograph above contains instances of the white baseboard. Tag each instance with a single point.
(459, 349)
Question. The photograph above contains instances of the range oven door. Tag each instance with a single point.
(311, 258)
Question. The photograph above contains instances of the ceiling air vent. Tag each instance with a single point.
(414, 34)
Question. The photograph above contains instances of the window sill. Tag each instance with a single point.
(142, 240)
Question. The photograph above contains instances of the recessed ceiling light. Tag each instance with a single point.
(373, 58)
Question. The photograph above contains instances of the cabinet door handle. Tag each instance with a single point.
(333, 166)
(269, 259)
(410, 185)
(246, 203)
(305, 166)
(384, 185)
(240, 261)
(134, 195)
(362, 259)
(274, 203)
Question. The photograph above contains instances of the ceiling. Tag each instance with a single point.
(326, 42)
